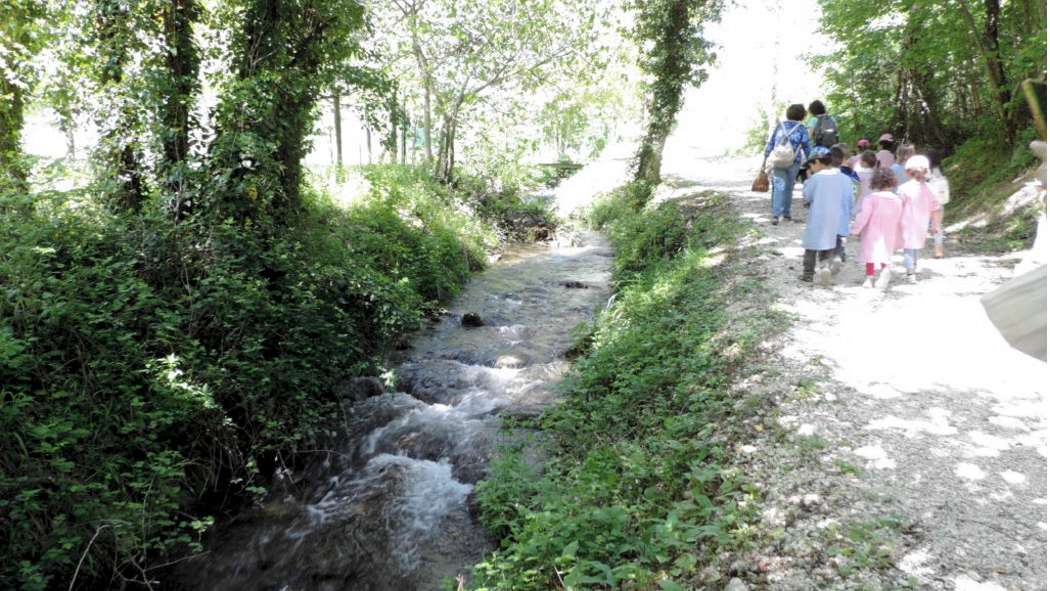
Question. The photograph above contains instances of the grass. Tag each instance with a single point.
(982, 183)
(638, 489)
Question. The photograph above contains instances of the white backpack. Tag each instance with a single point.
(783, 154)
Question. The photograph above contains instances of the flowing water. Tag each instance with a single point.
(390, 509)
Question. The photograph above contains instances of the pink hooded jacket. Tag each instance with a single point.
(878, 223)
(919, 203)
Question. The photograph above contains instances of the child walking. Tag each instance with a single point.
(942, 191)
(884, 155)
(825, 191)
(878, 224)
(838, 155)
(919, 204)
(864, 169)
(861, 146)
(904, 152)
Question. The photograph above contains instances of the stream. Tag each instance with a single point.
(391, 509)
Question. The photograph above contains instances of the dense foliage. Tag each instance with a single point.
(948, 75)
(150, 369)
(497, 80)
(933, 72)
(181, 316)
(636, 485)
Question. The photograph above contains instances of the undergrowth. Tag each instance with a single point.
(638, 490)
(983, 176)
(153, 374)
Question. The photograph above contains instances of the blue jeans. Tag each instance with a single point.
(911, 258)
(783, 187)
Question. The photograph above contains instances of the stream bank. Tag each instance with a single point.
(391, 508)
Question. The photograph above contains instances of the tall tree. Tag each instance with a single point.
(674, 55)
(939, 71)
(21, 37)
(120, 156)
(283, 56)
(466, 52)
(179, 90)
(986, 40)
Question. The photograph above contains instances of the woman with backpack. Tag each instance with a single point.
(823, 129)
(786, 150)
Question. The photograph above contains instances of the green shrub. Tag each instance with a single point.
(619, 204)
(99, 430)
(636, 487)
(151, 371)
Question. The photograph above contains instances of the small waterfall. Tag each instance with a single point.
(391, 509)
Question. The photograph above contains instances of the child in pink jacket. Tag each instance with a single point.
(878, 224)
(864, 169)
(919, 204)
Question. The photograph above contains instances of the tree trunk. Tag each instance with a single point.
(1031, 10)
(439, 162)
(182, 61)
(996, 69)
(337, 108)
(988, 47)
(368, 142)
(428, 123)
(665, 94)
(13, 176)
(395, 124)
(71, 141)
(448, 147)
(447, 150)
(404, 138)
(119, 156)
(650, 159)
(930, 108)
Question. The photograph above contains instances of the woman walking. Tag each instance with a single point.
(791, 135)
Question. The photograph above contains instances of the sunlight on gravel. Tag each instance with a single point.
(904, 405)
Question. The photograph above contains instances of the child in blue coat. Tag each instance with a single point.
(849, 206)
(829, 193)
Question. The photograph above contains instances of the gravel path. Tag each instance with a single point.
(905, 444)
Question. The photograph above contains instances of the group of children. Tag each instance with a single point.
(890, 200)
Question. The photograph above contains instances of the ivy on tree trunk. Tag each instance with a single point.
(674, 56)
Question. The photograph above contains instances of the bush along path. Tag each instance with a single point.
(638, 487)
(902, 442)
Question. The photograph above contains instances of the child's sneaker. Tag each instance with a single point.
(884, 279)
(868, 283)
(825, 275)
(912, 278)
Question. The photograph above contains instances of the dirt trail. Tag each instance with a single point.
(919, 438)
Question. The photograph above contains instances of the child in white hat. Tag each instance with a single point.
(919, 203)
